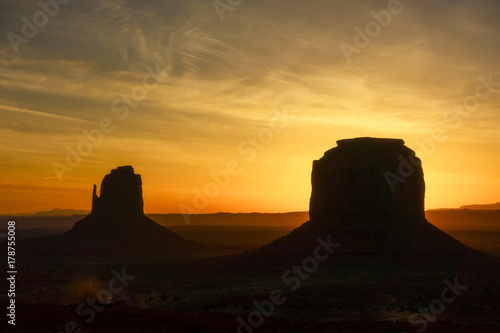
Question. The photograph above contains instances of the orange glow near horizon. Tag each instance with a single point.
(278, 194)
(271, 92)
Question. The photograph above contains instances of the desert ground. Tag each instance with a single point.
(205, 292)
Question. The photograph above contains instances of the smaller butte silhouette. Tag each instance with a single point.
(117, 218)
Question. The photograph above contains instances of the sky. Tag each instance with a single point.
(223, 105)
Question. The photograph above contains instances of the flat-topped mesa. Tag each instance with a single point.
(368, 178)
(117, 224)
(121, 193)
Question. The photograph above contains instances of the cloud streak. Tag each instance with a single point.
(41, 114)
(226, 78)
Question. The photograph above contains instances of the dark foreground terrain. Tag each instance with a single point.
(233, 233)
(204, 295)
(208, 291)
(198, 294)
(44, 318)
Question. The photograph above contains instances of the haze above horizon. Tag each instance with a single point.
(246, 103)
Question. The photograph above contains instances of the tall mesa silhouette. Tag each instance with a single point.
(357, 203)
(117, 218)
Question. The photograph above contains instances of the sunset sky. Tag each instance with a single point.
(270, 86)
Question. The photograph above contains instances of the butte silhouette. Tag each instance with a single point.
(117, 224)
(368, 196)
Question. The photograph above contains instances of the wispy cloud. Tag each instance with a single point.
(41, 114)
(226, 78)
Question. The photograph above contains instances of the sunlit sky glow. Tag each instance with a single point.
(225, 81)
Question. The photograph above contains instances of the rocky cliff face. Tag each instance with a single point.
(367, 178)
(121, 193)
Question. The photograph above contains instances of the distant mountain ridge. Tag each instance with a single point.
(62, 212)
(290, 219)
(465, 219)
(478, 217)
(449, 219)
(177, 219)
(495, 206)
(54, 212)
